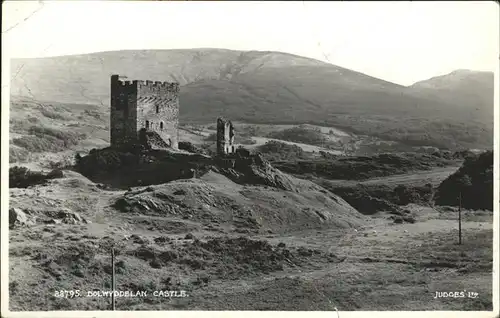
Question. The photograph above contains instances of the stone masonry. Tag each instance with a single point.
(225, 137)
(143, 105)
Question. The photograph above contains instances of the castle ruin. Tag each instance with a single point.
(142, 107)
(225, 137)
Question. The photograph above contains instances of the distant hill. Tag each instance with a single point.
(470, 90)
(274, 87)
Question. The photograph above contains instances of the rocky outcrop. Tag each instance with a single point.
(64, 216)
(128, 169)
(22, 177)
(254, 170)
(18, 217)
(152, 140)
(189, 147)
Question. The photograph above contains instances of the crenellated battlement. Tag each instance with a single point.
(147, 84)
(126, 84)
(158, 86)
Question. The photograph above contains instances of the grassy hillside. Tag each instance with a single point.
(273, 87)
(40, 129)
(473, 88)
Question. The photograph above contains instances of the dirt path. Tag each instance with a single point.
(434, 176)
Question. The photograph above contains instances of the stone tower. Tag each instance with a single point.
(225, 137)
(136, 105)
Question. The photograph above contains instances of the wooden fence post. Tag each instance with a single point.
(460, 218)
(113, 277)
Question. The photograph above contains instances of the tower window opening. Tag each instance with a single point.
(161, 125)
(147, 124)
(157, 109)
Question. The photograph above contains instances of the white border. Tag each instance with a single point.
(261, 314)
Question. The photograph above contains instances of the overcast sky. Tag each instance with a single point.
(402, 42)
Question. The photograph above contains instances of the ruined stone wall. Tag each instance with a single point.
(225, 137)
(123, 113)
(158, 109)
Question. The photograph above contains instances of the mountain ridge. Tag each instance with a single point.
(268, 86)
(459, 70)
(456, 74)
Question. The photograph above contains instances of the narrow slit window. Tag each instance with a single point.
(161, 125)
(147, 124)
(157, 109)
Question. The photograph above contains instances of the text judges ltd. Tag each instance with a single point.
(138, 293)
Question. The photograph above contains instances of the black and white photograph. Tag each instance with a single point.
(333, 158)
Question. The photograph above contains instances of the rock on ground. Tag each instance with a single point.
(18, 217)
